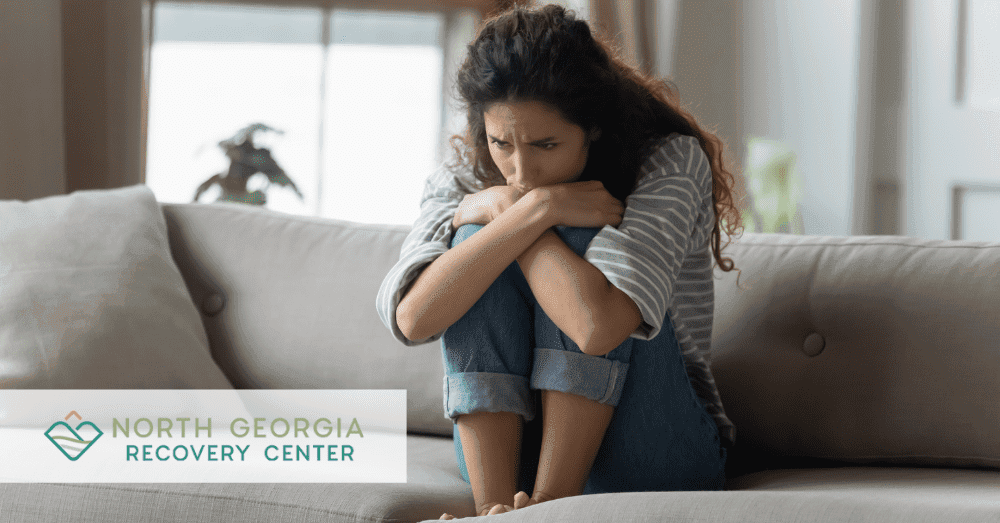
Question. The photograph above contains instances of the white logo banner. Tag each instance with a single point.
(203, 436)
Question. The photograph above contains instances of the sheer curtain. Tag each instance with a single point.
(631, 25)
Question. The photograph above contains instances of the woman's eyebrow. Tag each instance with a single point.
(543, 140)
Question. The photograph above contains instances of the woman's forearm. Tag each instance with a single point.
(454, 282)
(469, 214)
(577, 297)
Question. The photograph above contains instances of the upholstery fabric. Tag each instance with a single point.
(925, 505)
(90, 297)
(875, 350)
(865, 349)
(433, 486)
(966, 496)
(288, 302)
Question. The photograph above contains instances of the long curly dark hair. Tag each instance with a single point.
(547, 55)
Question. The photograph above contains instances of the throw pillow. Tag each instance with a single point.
(90, 297)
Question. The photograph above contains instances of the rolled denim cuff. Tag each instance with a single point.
(468, 392)
(592, 377)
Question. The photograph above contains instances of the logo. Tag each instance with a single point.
(73, 442)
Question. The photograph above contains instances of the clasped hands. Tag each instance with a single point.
(571, 204)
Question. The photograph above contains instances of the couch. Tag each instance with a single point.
(861, 373)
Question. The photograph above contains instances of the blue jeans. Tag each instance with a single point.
(505, 350)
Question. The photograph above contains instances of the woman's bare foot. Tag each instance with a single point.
(522, 500)
(498, 508)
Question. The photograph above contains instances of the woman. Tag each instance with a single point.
(565, 261)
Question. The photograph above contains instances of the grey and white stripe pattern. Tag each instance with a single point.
(659, 255)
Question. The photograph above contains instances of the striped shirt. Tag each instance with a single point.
(660, 255)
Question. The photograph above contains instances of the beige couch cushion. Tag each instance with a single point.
(91, 299)
(289, 303)
(433, 486)
(862, 349)
(858, 495)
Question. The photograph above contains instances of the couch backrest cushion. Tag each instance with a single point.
(288, 302)
(862, 349)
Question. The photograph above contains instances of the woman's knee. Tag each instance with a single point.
(464, 232)
(577, 238)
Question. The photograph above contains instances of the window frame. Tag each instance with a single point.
(485, 7)
(450, 9)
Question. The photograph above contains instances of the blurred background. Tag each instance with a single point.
(840, 117)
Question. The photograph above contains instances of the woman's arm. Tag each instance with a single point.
(465, 215)
(577, 297)
(448, 287)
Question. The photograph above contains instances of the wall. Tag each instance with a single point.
(948, 140)
(774, 69)
(71, 96)
(31, 125)
(880, 139)
(699, 51)
(800, 80)
(864, 93)
(873, 96)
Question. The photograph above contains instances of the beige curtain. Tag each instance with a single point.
(630, 24)
(31, 128)
(104, 94)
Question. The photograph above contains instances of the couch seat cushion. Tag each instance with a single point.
(752, 506)
(849, 494)
(433, 487)
(830, 495)
(943, 482)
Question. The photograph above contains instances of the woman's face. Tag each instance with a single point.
(533, 145)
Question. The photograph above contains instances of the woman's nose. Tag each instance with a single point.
(523, 173)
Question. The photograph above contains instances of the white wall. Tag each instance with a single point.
(880, 135)
(865, 94)
(948, 141)
(704, 62)
(774, 69)
(32, 160)
(799, 85)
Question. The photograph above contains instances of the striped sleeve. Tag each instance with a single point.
(644, 254)
(429, 238)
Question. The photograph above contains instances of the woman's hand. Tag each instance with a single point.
(485, 206)
(580, 204)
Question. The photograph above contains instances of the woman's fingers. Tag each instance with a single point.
(585, 204)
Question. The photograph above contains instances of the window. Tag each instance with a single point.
(358, 95)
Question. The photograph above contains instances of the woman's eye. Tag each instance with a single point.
(543, 146)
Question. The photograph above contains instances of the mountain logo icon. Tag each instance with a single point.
(73, 442)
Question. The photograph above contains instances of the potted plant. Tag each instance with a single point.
(774, 188)
(246, 161)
